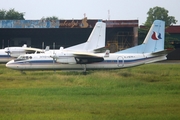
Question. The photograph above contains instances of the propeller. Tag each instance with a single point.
(7, 50)
(54, 55)
(53, 52)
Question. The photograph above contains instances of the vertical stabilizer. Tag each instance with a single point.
(153, 42)
(97, 38)
(95, 41)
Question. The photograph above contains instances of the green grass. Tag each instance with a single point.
(144, 92)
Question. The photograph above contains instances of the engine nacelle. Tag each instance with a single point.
(66, 60)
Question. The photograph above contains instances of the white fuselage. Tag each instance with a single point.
(45, 61)
(4, 57)
(13, 53)
(10, 53)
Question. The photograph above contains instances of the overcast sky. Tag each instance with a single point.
(94, 9)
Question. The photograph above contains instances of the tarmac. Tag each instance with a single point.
(170, 61)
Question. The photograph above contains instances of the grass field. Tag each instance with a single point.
(148, 92)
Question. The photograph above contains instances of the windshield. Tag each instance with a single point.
(22, 57)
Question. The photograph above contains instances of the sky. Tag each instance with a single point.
(92, 9)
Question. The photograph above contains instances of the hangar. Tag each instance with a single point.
(174, 32)
(120, 34)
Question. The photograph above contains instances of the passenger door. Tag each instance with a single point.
(120, 61)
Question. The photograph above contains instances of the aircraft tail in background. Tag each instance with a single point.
(154, 41)
(95, 41)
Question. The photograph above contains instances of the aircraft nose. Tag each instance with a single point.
(10, 64)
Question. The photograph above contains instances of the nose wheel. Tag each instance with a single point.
(84, 68)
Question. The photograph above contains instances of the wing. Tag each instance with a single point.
(33, 50)
(87, 58)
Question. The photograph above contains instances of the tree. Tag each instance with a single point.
(169, 41)
(160, 14)
(50, 18)
(11, 15)
(2, 14)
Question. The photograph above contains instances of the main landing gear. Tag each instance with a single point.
(22, 72)
(84, 70)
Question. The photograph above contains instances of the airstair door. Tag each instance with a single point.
(120, 61)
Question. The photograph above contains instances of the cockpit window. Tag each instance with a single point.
(23, 58)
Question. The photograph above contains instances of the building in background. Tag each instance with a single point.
(120, 34)
(174, 32)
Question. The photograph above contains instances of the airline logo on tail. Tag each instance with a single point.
(156, 36)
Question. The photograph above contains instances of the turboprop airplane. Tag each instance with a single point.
(10, 53)
(81, 57)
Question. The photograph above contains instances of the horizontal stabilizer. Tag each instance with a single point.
(100, 50)
(166, 51)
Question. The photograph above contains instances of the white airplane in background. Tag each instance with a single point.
(10, 53)
(82, 57)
